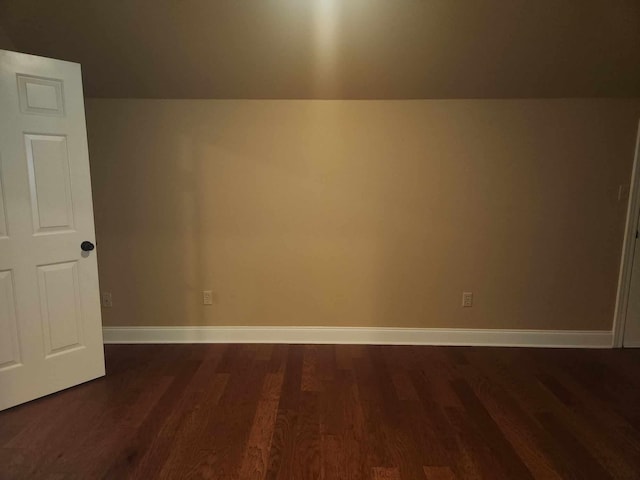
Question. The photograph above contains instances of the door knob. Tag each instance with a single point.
(87, 246)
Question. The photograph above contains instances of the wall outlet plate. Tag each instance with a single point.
(467, 299)
(107, 300)
(207, 297)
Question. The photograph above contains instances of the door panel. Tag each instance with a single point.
(48, 162)
(42, 96)
(60, 307)
(3, 216)
(632, 325)
(50, 325)
(9, 345)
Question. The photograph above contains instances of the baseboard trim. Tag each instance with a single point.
(362, 335)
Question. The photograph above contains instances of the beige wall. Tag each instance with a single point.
(361, 213)
(5, 41)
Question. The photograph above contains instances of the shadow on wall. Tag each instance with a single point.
(5, 41)
(360, 213)
(147, 207)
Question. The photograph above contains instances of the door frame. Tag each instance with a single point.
(628, 247)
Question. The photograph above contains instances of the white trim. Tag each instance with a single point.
(361, 335)
(628, 246)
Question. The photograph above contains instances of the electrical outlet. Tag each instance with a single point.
(107, 301)
(207, 297)
(467, 299)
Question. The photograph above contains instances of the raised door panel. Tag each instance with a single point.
(4, 231)
(41, 96)
(60, 307)
(50, 183)
(9, 346)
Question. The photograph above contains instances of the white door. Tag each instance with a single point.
(632, 323)
(50, 325)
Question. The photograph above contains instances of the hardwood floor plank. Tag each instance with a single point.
(345, 451)
(333, 463)
(404, 388)
(181, 461)
(524, 434)
(615, 442)
(256, 457)
(439, 473)
(287, 414)
(435, 423)
(147, 435)
(305, 458)
(386, 473)
(292, 384)
(594, 437)
(368, 401)
(311, 366)
(218, 457)
(346, 412)
(581, 460)
(282, 444)
(477, 458)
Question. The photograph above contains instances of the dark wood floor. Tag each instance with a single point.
(336, 412)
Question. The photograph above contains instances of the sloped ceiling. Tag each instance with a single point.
(338, 48)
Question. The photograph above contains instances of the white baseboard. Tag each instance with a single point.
(362, 335)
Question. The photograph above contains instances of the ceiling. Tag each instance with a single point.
(380, 49)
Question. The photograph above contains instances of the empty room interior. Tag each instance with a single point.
(319, 239)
